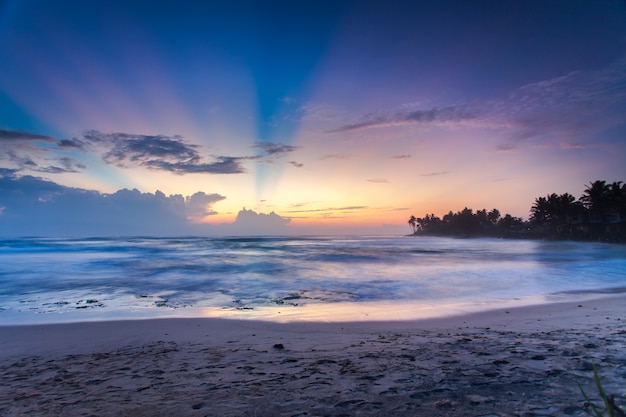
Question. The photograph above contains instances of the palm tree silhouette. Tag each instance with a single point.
(555, 209)
(617, 199)
(596, 198)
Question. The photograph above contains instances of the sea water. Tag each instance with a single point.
(292, 278)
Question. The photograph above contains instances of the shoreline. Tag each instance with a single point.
(516, 361)
(556, 312)
(339, 312)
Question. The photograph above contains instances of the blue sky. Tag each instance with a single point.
(335, 115)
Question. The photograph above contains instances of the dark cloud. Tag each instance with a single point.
(141, 148)
(20, 149)
(379, 180)
(37, 207)
(71, 144)
(23, 161)
(71, 163)
(275, 149)
(160, 152)
(157, 152)
(33, 152)
(222, 165)
(454, 113)
(19, 159)
(13, 135)
(63, 165)
(296, 164)
(52, 169)
(402, 156)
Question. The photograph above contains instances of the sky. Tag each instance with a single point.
(301, 117)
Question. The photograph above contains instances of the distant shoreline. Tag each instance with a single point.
(614, 239)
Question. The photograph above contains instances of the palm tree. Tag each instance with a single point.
(412, 223)
(509, 222)
(540, 211)
(494, 216)
(617, 199)
(596, 198)
(428, 224)
(568, 208)
(555, 209)
(546, 209)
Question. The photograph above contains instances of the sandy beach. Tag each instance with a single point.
(523, 361)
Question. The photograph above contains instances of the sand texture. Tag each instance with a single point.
(520, 362)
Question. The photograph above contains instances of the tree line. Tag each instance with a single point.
(599, 214)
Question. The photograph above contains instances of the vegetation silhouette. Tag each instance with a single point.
(598, 215)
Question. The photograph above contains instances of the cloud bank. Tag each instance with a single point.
(32, 206)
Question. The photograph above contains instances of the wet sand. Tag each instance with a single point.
(523, 361)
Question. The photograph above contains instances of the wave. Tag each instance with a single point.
(120, 276)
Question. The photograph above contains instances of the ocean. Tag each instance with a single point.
(53, 280)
